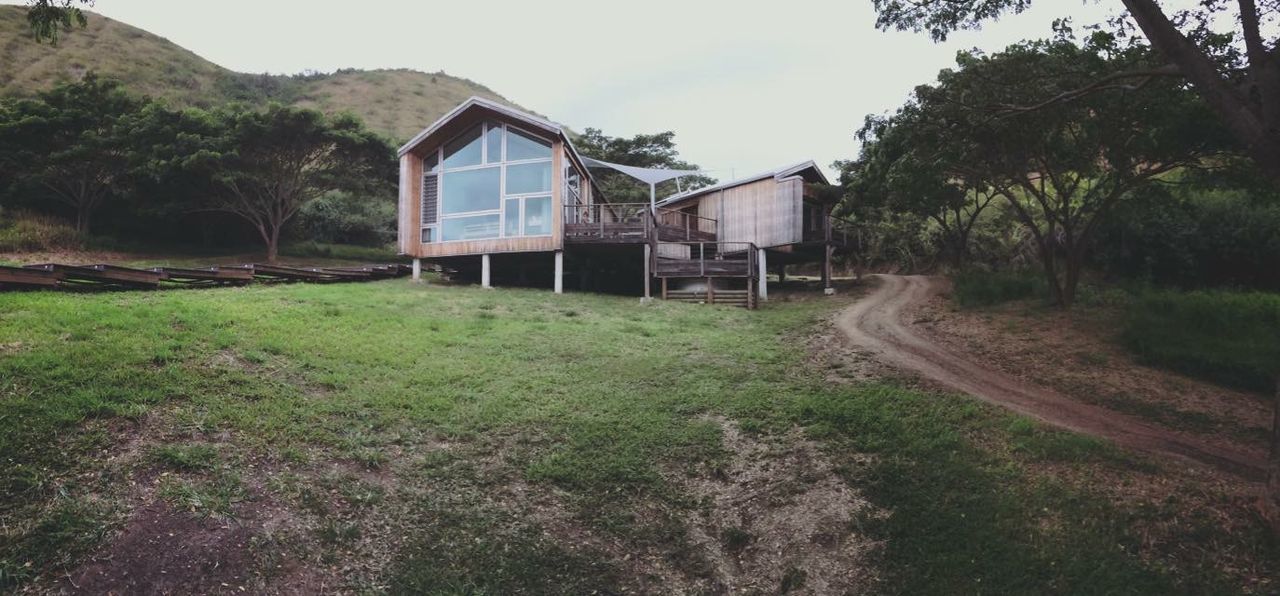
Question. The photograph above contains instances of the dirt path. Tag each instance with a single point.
(875, 323)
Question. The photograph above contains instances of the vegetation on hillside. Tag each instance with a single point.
(396, 103)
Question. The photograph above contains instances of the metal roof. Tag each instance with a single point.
(779, 174)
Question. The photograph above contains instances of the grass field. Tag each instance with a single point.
(407, 438)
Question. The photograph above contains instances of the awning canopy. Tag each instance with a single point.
(648, 176)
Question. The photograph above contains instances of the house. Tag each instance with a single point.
(494, 193)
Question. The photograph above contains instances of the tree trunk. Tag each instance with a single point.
(1271, 493)
(82, 219)
(273, 245)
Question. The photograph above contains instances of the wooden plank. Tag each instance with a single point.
(28, 277)
(100, 274)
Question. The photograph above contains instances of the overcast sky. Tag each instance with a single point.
(746, 86)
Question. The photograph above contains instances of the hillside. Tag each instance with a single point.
(397, 103)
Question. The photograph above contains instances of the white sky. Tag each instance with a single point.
(746, 85)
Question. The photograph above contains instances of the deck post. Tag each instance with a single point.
(559, 283)
(664, 288)
(648, 252)
(763, 287)
(711, 292)
(417, 270)
(484, 271)
(827, 287)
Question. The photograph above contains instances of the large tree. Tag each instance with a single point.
(905, 167)
(269, 164)
(74, 141)
(1240, 80)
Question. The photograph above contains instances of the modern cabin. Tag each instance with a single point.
(501, 196)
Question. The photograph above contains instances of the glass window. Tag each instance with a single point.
(472, 190)
(476, 227)
(529, 178)
(428, 235)
(537, 216)
(493, 141)
(464, 150)
(432, 162)
(512, 217)
(522, 146)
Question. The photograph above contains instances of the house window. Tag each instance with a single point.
(493, 181)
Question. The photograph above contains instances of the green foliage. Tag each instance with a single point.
(394, 102)
(338, 217)
(75, 141)
(186, 457)
(23, 231)
(1195, 237)
(49, 17)
(984, 288)
(1231, 338)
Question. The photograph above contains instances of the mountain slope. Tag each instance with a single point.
(397, 103)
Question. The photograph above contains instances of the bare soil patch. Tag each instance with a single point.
(778, 519)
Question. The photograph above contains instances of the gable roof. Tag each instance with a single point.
(525, 119)
(776, 174)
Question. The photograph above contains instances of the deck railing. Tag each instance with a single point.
(608, 222)
(831, 229)
(705, 259)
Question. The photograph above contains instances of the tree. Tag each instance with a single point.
(47, 17)
(73, 141)
(643, 151)
(908, 172)
(1242, 88)
(1062, 168)
(269, 164)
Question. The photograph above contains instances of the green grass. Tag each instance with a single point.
(422, 403)
(1227, 337)
(984, 288)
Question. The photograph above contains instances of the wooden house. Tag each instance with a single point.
(492, 192)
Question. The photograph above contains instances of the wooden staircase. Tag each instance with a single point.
(742, 298)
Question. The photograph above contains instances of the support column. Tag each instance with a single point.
(827, 287)
(782, 274)
(484, 271)
(648, 257)
(763, 289)
(417, 270)
(559, 272)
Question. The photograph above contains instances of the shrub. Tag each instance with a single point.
(983, 288)
(1231, 338)
(29, 232)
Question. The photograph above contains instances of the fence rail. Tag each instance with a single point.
(705, 259)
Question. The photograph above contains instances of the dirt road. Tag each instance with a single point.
(876, 323)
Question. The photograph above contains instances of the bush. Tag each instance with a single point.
(31, 232)
(1232, 338)
(983, 288)
(344, 218)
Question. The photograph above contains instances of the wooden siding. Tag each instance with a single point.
(765, 212)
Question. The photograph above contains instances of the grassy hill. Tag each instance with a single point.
(397, 103)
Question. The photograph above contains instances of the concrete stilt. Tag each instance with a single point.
(417, 270)
(559, 279)
(763, 288)
(484, 271)
(648, 255)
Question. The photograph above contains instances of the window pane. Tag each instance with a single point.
(432, 162)
(528, 178)
(522, 146)
(464, 150)
(472, 190)
(494, 140)
(537, 216)
(513, 217)
(475, 227)
(428, 235)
